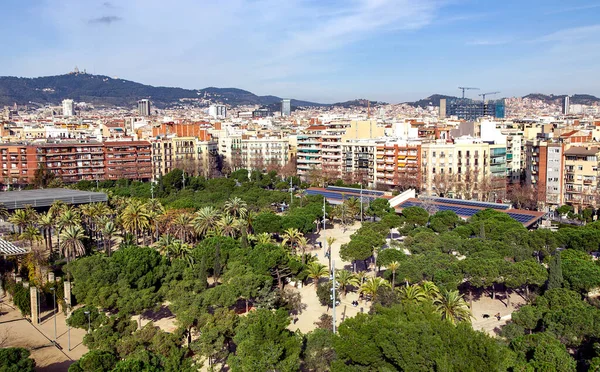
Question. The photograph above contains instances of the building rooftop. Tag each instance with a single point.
(45, 197)
(582, 151)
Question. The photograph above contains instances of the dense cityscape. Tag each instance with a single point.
(312, 186)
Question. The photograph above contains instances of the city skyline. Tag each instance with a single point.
(383, 50)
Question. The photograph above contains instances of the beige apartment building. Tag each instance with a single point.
(261, 153)
(466, 169)
(195, 157)
(581, 176)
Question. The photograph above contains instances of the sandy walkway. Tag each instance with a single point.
(38, 338)
(485, 305)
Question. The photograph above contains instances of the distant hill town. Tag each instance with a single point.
(108, 91)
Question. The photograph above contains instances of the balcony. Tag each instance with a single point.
(588, 182)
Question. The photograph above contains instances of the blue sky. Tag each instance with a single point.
(325, 51)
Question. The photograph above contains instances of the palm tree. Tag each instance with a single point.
(371, 286)
(179, 249)
(20, 219)
(183, 224)
(71, 245)
(264, 238)
(57, 208)
(316, 271)
(134, 219)
(412, 293)
(46, 223)
(301, 194)
(344, 278)
(291, 237)
(236, 207)
(430, 290)
(330, 240)
(155, 209)
(452, 306)
(31, 234)
(393, 267)
(302, 244)
(228, 226)
(164, 242)
(3, 211)
(108, 232)
(206, 219)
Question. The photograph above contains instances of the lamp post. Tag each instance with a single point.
(324, 224)
(54, 309)
(68, 325)
(333, 293)
(89, 323)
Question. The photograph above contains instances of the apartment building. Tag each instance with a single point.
(543, 171)
(19, 163)
(128, 159)
(190, 154)
(466, 168)
(398, 164)
(358, 162)
(73, 161)
(581, 176)
(260, 153)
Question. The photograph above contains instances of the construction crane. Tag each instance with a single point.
(466, 88)
(487, 94)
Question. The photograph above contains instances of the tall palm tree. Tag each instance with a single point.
(20, 219)
(155, 210)
(393, 267)
(31, 234)
(134, 219)
(344, 278)
(236, 207)
(72, 245)
(412, 293)
(205, 220)
(46, 222)
(183, 224)
(316, 271)
(228, 226)
(179, 249)
(452, 306)
(108, 232)
(57, 208)
(302, 243)
(372, 285)
(301, 194)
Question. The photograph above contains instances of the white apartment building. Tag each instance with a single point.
(68, 107)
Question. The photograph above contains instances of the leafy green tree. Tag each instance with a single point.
(263, 343)
(415, 216)
(555, 276)
(79, 319)
(379, 208)
(392, 339)
(94, 361)
(267, 222)
(16, 359)
(216, 331)
(318, 351)
(444, 221)
(541, 352)
(527, 317)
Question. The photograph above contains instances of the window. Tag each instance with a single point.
(580, 167)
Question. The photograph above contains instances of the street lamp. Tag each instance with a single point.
(68, 325)
(89, 323)
(54, 309)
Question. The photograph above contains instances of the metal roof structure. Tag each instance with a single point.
(527, 218)
(9, 249)
(45, 197)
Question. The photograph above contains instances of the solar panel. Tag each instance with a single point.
(472, 203)
(351, 189)
(520, 217)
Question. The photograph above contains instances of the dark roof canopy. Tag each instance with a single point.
(45, 197)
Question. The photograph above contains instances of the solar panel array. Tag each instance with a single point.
(523, 218)
(351, 189)
(472, 203)
(461, 211)
(9, 249)
(336, 195)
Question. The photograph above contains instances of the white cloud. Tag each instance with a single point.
(571, 34)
